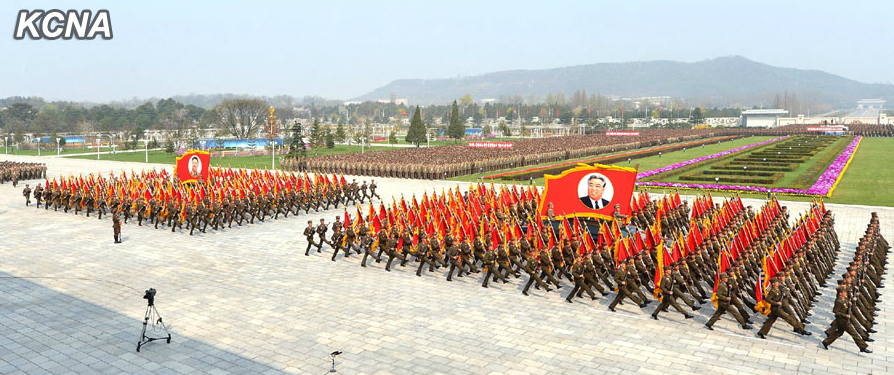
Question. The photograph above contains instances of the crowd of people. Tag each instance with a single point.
(458, 160)
(15, 171)
(741, 259)
(228, 196)
(871, 130)
(857, 293)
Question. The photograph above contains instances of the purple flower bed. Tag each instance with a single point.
(824, 185)
(703, 158)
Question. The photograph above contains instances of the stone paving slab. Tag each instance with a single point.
(247, 301)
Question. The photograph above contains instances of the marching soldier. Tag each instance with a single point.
(27, 194)
(322, 228)
(774, 298)
(843, 323)
(580, 283)
(38, 193)
(624, 289)
(116, 227)
(309, 233)
(724, 305)
(372, 190)
(668, 296)
(336, 239)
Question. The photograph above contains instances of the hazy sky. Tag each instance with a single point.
(340, 49)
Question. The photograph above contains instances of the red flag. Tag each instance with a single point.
(193, 166)
(589, 191)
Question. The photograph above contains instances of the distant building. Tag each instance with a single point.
(403, 101)
(870, 103)
(761, 118)
(722, 121)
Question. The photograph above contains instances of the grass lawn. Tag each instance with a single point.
(869, 177)
(52, 151)
(803, 177)
(645, 164)
(866, 181)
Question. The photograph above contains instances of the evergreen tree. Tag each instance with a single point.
(340, 135)
(505, 129)
(330, 139)
(697, 116)
(392, 137)
(416, 133)
(456, 128)
(316, 133)
(297, 148)
(169, 146)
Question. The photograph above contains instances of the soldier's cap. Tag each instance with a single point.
(310, 221)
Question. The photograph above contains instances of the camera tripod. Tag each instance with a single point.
(150, 311)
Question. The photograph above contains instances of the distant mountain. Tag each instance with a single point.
(720, 81)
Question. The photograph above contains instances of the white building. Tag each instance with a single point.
(722, 121)
(761, 118)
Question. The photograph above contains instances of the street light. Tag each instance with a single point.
(38, 146)
(99, 143)
(58, 150)
(146, 142)
(6, 144)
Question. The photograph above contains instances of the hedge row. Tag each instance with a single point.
(730, 180)
(758, 168)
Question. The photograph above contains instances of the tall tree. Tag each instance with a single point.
(297, 148)
(456, 128)
(330, 139)
(340, 134)
(697, 116)
(316, 133)
(241, 117)
(416, 133)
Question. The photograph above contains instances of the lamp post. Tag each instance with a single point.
(38, 146)
(99, 142)
(58, 150)
(146, 142)
(272, 154)
(6, 144)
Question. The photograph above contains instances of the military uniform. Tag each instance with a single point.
(668, 297)
(724, 306)
(309, 233)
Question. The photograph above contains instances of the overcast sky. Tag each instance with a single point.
(345, 49)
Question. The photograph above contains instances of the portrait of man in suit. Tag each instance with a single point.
(598, 191)
(195, 167)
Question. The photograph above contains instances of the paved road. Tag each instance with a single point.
(247, 301)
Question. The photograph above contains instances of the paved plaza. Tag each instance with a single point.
(247, 301)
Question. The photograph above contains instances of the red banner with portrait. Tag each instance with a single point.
(193, 166)
(589, 191)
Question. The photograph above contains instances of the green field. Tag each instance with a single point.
(865, 182)
(803, 173)
(645, 164)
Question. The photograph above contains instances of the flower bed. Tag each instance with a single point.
(824, 186)
(525, 173)
(703, 158)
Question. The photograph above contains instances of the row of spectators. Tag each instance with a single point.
(458, 160)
